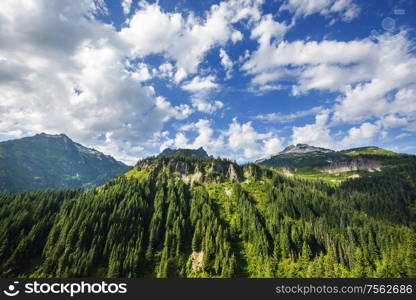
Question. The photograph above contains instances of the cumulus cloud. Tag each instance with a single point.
(164, 70)
(186, 39)
(240, 141)
(316, 134)
(360, 136)
(205, 137)
(139, 72)
(268, 32)
(364, 71)
(236, 36)
(373, 77)
(200, 84)
(272, 146)
(393, 68)
(126, 5)
(63, 71)
(300, 59)
(226, 63)
(346, 9)
(202, 89)
(244, 137)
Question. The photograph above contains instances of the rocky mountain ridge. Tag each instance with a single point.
(193, 170)
(200, 152)
(304, 148)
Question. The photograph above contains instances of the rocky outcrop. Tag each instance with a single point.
(287, 172)
(217, 167)
(304, 148)
(232, 173)
(180, 167)
(295, 149)
(191, 170)
(197, 258)
(356, 164)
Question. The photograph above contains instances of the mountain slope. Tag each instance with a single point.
(53, 161)
(175, 216)
(313, 162)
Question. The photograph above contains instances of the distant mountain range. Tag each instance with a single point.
(53, 161)
(301, 213)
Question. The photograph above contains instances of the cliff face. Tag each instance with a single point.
(192, 170)
(356, 164)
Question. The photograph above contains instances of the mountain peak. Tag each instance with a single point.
(53, 161)
(304, 148)
(200, 152)
(47, 135)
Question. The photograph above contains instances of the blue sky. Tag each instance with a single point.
(241, 78)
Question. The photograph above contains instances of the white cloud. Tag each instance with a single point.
(272, 61)
(391, 67)
(201, 89)
(244, 138)
(140, 72)
(125, 152)
(267, 29)
(200, 83)
(205, 138)
(317, 134)
(185, 40)
(392, 121)
(267, 32)
(364, 73)
(240, 141)
(204, 105)
(236, 36)
(126, 4)
(62, 71)
(165, 70)
(180, 75)
(226, 63)
(283, 118)
(360, 136)
(272, 146)
(303, 8)
(404, 101)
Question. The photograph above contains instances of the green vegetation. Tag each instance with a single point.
(53, 161)
(175, 216)
(336, 167)
(329, 178)
(369, 151)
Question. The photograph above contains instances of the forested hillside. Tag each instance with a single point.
(203, 217)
